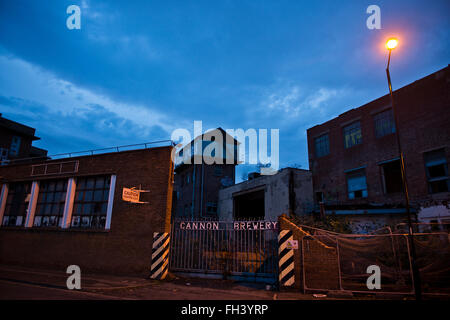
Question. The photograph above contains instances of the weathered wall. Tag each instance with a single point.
(276, 193)
(422, 109)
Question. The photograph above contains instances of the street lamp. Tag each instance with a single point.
(390, 45)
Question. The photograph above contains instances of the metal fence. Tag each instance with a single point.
(247, 249)
(339, 262)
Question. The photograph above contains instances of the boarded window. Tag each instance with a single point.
(356, 184)
(352, 134)
(437, 171)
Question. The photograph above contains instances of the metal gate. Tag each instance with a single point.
(233, 249)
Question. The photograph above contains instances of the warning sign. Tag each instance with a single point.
(292, 244)
(131, 195)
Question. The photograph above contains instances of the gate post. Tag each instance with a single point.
(285, 259)
(160, 255)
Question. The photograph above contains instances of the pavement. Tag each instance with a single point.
(39, 284)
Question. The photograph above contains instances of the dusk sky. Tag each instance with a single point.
(137, 70)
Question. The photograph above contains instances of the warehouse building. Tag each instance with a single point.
(86, 210)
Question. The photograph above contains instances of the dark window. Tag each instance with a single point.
(50, 205)
(211, 208)
(15, 146)
(91, 202)
(356, 184)
(218, 171)
(319, 197)
(17, 204)
(392, 176)
(437, 171)
(352, 134)
(384, 123)
(322, 145)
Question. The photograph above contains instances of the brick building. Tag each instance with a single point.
(16, 141)
(197, 182)
(354, 157)
(60, 212)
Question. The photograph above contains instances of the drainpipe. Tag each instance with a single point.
(201, 193)
(193, 194)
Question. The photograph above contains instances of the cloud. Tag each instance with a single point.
(293, 101)
(59, 108)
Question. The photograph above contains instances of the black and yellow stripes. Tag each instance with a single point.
(160, 255)
(286, 259)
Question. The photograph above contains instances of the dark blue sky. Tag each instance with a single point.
(139, 69)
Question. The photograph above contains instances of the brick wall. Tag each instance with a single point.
(422, 110)
(126, 247)
(317, 260)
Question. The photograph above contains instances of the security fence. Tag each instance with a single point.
(334, 261)
(229, 248)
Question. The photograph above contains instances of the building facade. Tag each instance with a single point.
(265, 197)
(16, 141)
(57, 213)
(198, 181)
(354, 157)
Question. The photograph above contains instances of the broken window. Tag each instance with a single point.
(437, 171)
(384, 123)
(356, 184)
(352, 134)
(50, 204)
(17, 204)
(392, 177)
(91, 202)
(322, 145)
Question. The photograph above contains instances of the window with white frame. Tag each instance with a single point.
(356, 184)
(17, 204)
(50, 204)
(91, 202)
(437, 171)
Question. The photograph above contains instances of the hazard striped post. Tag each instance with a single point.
(160, 255)
(285, 259)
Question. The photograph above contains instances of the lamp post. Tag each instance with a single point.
(390, 45)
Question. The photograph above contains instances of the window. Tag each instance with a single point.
(352, 134)
(437, 171)
(211, 208)
(322, 145)
(17, 204)
(218, 171)
(50, 205)
(15, 146)
(3, 154)
(91, 202)
(356, 184)
(392, 177)
(384, 123)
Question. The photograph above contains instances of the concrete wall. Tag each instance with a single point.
(126, 247)
(276, 193)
